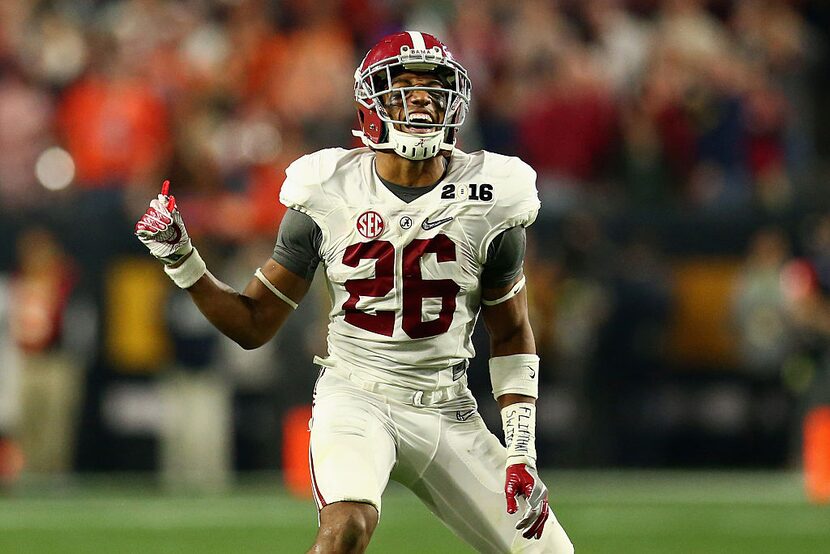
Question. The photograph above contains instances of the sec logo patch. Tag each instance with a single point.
(370, 224)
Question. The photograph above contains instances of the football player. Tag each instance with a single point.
(416, 239)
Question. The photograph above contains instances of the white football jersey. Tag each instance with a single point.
(404, 278)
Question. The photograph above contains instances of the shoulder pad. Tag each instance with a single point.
(517, 200)
(303, 188)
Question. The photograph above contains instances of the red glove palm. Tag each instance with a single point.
(524, 480)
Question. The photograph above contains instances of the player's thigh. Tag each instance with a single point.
(352, 450)
(464, 486)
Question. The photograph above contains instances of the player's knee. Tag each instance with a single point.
(348, 536)
(354, 535)
(346, 529)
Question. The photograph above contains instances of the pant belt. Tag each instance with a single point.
(406, 395)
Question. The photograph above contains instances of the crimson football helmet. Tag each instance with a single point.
(418, 52)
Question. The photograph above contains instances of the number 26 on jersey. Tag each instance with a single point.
(414, 289)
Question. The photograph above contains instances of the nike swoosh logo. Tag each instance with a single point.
(532, 371)
(464, 416)
(427, 224)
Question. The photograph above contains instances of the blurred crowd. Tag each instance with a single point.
(706, 104)
(677, 144)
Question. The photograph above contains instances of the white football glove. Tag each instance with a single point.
(162, 229)
(523, 480)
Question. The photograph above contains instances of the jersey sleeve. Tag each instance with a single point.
(298, 244)
(518, 202)
(303, 190)
(505, 258)
(516, 198)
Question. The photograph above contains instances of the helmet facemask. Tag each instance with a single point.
(373, 90)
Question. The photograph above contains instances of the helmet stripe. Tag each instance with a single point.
(417, 40)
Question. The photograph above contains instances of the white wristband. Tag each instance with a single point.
(190, 271)
(515, 374)
(519, 424)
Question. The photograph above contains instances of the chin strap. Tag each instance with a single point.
(409, 146)
(416, 147)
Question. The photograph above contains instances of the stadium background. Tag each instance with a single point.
(678, 272)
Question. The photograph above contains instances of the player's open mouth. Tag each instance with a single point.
(419, 118)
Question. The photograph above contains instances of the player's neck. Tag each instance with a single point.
(408, 173)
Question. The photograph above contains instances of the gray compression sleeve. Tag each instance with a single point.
(505, 257)
(298, 244)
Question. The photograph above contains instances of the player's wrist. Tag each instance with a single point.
(520, 460)
(179, 256)
(519, 424)
(188, 271)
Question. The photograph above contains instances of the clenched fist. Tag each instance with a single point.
(162, 229)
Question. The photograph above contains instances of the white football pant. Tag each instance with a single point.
(435, 443)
